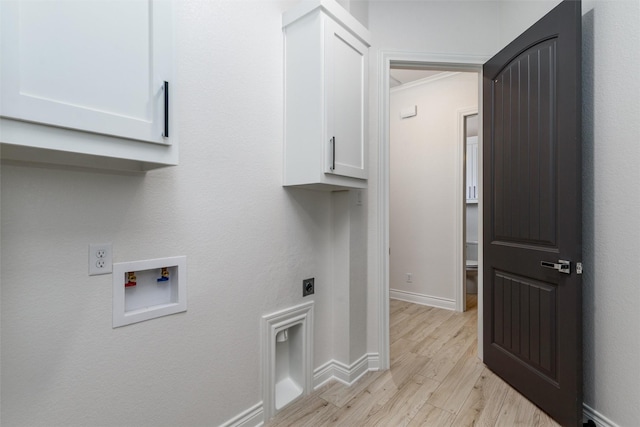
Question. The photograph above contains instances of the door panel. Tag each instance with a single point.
(532, 128)
(524, 322)
(524, 111)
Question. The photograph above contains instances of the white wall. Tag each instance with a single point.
(349, 297)
(249, 244)
(611, 200)
(359, 9)
(424, 154)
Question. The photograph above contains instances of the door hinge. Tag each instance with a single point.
(578, 268)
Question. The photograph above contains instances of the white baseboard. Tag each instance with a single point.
(374, 361)
(600, 420)
(252, 417)
(323, 374)
(421, 299)
(334, 370)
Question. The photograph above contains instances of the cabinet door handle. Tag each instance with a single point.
(165, 87)
(333, 153)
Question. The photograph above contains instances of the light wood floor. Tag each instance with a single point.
(435, 379)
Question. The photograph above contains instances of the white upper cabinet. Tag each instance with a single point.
(472, 170)
(87, 78)
(326, 83)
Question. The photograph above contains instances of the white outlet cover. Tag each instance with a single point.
(99, 263)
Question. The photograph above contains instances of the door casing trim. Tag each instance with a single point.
(445, 62)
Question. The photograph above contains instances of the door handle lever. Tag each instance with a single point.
(562, 266)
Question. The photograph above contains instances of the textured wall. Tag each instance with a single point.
(611, 200)
(349, 287)
(423, 196)
(249, 244)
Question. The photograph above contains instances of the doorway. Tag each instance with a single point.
(451, 64)
(430, 113)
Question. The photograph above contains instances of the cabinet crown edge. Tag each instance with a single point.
(334, 10)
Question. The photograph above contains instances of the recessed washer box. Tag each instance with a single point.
(144, 290)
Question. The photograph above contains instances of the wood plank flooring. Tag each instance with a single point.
(435, 379)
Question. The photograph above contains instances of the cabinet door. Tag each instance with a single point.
(469, 177)
(474, 172)
(346, 82)
(472, 169)
(95, 66)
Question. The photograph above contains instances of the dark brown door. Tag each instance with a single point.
(532, 201)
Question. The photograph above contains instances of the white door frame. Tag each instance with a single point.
(432, 61)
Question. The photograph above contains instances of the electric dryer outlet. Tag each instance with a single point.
(308, 287)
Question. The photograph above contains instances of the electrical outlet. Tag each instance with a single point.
(308, 287)
(409, 277)
(100, 259)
